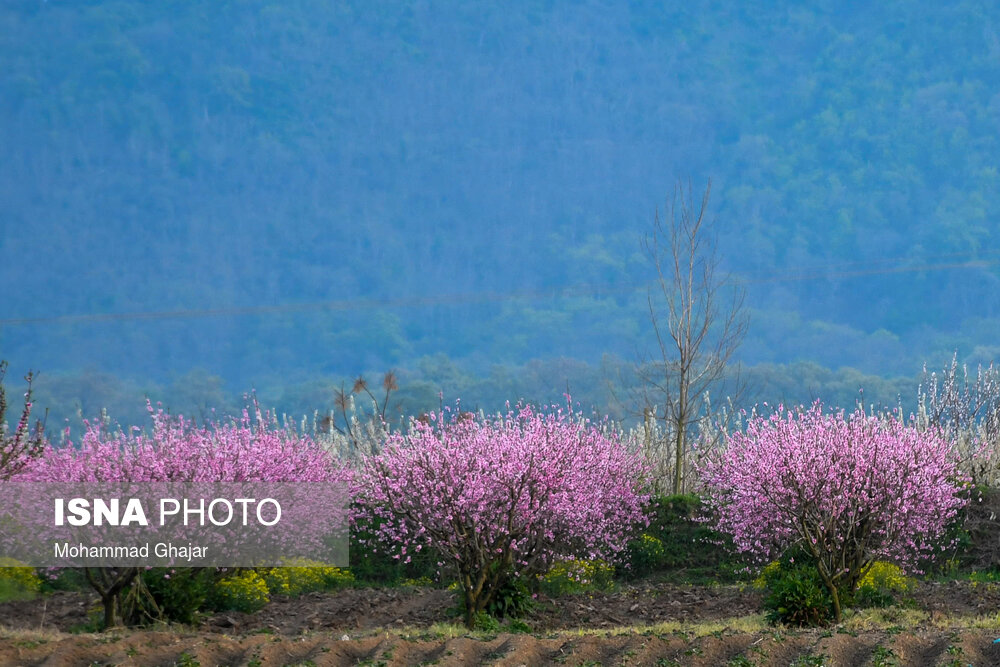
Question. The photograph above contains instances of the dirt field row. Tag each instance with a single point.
(814, 647)
(669, 625)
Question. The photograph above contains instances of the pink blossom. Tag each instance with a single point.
(852, 489)
(513, 493)
(244, 451)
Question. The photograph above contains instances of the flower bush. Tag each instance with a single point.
(577, 576)
(501, 497)
(848, 489)
(646, 553)
(249, 450)
(17, 581)
(244, 591)
(880, 584)
(304, 578)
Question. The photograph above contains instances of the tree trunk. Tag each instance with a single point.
(109, 585)
(837, 615)
(110, 602)
(679, 461)
(474, 601)
(470, 607)
(834, 594)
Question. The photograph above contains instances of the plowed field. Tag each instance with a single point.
(952, 624)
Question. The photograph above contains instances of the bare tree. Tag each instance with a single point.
(966, 412)
(698, 318)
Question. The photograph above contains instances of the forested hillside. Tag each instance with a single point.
(350, 186)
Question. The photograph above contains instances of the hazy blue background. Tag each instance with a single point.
(486, 170)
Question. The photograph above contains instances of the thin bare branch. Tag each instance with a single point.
(698, 320)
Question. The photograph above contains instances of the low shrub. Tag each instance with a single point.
(179, 593)
(796, 595)
(301, 579)
(646, 554)
(419, 582)
(879, 586)
(511, 600)
(974, 535)
(795, 588)
(17, 582)
(679, 542)
(770, 572)
(243, 591)
(486, 622)
(518, 627)
(576, 576)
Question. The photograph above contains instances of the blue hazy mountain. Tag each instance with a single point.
(301, 189)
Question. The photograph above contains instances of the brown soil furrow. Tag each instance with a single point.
(782, 650)
(458, 651)
(666, 652)
(523, 650)
(618, 650)
(575, 651)
(644, 650)
(500, 651)
(376, 651)
(720, 650)
(978, 648)
(469, 651)
(849, 651)
(241, 653)
(922, 649)
(322, 651)
(405, 652)
(326, 650)
(562, 650)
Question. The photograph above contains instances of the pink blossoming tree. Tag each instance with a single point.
(502, 497)
(17, 448)
(250, 450)
(851, 489)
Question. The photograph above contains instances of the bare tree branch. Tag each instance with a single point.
(697, 316)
